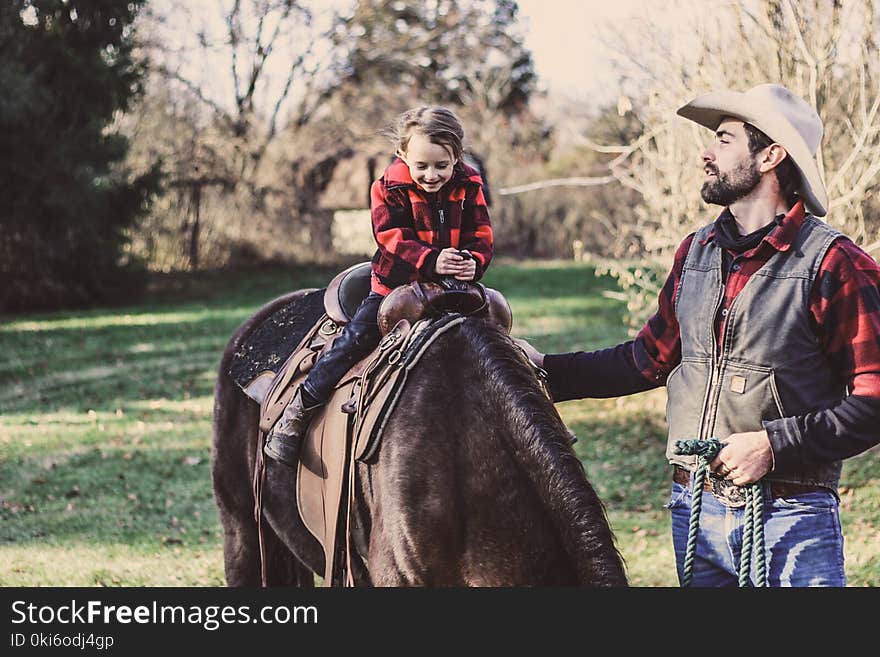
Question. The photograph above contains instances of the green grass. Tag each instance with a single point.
(105, 424)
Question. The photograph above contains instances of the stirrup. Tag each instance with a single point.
(296, 418)
(283, 448)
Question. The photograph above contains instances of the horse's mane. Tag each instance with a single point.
(541, 444)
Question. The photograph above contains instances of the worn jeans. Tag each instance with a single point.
(802, 539)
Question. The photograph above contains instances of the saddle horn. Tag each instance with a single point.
(419, 300)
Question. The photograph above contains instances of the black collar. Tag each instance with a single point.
(728, 236)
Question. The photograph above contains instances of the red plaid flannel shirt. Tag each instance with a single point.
(843, 304)
(408, 229)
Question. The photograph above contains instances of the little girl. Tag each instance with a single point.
(430, 221)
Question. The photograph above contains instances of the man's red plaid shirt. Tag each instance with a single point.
(843, 306)
(845, 312)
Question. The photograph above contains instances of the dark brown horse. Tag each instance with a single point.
(475, 482)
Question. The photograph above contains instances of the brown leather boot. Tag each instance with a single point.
(285, 438)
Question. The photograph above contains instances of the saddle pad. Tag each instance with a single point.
(267, 347)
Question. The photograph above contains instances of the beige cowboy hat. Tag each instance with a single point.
(785, 118)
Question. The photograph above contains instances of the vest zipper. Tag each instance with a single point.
(715, 373)
(717, 358)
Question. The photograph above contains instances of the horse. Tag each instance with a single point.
(475, 482)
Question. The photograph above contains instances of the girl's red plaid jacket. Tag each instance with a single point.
(411, 226)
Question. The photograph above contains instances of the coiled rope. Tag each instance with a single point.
(753, 529)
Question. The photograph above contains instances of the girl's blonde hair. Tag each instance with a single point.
(437, 123)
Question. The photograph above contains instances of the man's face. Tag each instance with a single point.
(731, 170)
(430, 164)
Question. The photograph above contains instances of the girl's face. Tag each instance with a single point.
(430, 164)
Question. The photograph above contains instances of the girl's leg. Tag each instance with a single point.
(359, 338)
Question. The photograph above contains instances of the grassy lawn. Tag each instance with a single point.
(105, 424)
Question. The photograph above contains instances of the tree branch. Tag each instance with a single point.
(557, 182)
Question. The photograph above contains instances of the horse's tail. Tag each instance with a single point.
(542, 445)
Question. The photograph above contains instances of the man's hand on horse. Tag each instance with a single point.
(534, 355)
(451, 262)
(745, 457)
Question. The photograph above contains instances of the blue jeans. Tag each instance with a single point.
(359, 337)
(802, 537)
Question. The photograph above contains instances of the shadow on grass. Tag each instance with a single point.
(624, 459)
(143, 498)
(87, 367)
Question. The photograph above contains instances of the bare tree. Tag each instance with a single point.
(230, 78)
(824, 51)
(278, 92)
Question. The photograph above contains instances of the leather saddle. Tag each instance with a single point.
(349, 426)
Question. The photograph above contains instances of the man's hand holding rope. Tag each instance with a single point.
(745, 457)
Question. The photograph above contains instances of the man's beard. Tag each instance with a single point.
(727, 188)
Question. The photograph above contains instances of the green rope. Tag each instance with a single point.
(758, 524)
(745, 560)
(753, 529)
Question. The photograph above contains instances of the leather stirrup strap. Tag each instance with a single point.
(258, 485)
(351, 436)
(349, 578)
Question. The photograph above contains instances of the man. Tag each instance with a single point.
(767, 337)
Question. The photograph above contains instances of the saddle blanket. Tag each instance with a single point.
(267, 347)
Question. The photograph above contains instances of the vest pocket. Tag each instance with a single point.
(686, 388)
(747, 397)
(775, 392)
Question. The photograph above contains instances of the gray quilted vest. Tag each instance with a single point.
(770, 364)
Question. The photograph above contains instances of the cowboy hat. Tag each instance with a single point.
(782, 116)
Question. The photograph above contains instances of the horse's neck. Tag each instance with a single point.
(449, 482)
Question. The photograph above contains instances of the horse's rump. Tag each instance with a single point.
(233, 460)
